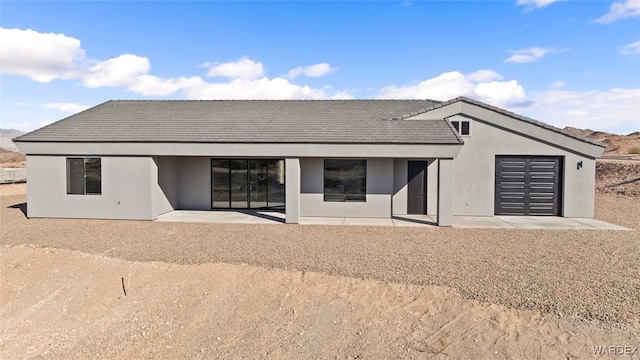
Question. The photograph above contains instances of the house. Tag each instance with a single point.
(325, 158)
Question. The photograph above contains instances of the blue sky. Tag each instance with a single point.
(573, 63)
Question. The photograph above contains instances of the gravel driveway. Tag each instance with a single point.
(585, 273)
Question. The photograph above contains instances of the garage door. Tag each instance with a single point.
(528, 185)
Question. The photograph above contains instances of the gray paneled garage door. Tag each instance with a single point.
(528, 185)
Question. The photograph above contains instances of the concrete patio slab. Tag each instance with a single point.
(599, 224)
(413, 220)
(321, 221)
(482, 222)
(222, 217)
(459, 222)
(541, 222)
(561, 223)
(368, 222)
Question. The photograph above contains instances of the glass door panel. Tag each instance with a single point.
(220, 186)
(258, 184)
(239, 184)
(276, 183)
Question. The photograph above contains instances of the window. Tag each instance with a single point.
(345, 180)
(462, 127)
(84, 176)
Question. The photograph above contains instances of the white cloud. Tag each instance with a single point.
(149, 85)
(500, 93)
(42, 57)
(631, 49)
(558, 84)
(620, 10)
(65, 107)
(484, 75)
(131, 72)
(482, 85)
(342, 95)
(616, 110)
(537, 4)
(316, 70)
(120, 71)
(529, 55)
(442, 87)
(244, 68)
(263, 88)
(45, 57)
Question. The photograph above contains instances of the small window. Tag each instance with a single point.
(345, 180)
(84, 176)
(462, 127)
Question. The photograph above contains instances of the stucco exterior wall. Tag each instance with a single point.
(126, 189)
(400, 187)
(292, 190)
(165, 186)
(379, 191)
(194, 183)
(432, 187)
(474, 171)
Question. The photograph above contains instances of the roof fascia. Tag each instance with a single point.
(242, 149)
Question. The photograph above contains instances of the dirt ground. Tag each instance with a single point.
(621, 177)
(277, 291)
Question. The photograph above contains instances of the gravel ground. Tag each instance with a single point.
(588, 274)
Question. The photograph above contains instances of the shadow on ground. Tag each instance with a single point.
(22, 207)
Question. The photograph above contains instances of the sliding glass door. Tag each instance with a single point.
(275, 181)
(221, 184)
(258, 184)
(247, 183)
(239, 184)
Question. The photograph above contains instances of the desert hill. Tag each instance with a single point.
(618, 170)
(11, 159)
(616, 144)
(6, 136)
(9, 155)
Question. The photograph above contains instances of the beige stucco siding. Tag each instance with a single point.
(379, 191)
(194, 183)
(126, 189)
(165, 186)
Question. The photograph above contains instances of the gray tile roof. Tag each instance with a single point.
(249, 121)
(438, 104)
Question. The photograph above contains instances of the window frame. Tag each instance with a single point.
(85, 160)
(345, 196)
(458, 125)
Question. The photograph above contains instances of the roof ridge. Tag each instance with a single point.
(274, 100)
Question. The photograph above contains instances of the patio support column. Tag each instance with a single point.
(445, 192)
(292, 190)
